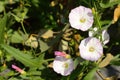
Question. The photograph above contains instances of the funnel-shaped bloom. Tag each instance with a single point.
(62, 64)
(91, 49)
(81, 18)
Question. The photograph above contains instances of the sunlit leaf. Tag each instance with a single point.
(16, 17)
(16, 38)
(63, 45)
(32, 41)
(43, 46)
(47, 34)
(23, 14)
(1, 6)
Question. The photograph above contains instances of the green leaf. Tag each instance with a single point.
(13, 78)
(16, 38)
(16, 17)
(64, 78)
(2, 78)
(43, 46)
(20, 56)
(1, 6)
(91, 74)
(115, 60)
(76, 62)
(110, 4)
(3, 22)
(30, 73)
(78, 72)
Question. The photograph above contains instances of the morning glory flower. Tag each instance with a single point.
(63, 64)
(105, 35)
(91, 49)
(81, 18)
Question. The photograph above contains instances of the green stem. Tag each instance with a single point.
(110, 47)
(96, 17)
(23, 27)
(107, 26)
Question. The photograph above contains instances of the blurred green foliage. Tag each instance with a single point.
(19, 19)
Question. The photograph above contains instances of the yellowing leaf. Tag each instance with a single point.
(32, 41)
(50, 65)
(77, 37)
(106, 61)
(116, 14)
(47, 34)
(63, 45)
(111, 78)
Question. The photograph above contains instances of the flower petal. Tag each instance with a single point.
(91, 49)
(63, 66)
(81, 18)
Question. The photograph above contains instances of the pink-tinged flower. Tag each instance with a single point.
(18, 69)
(91, 49)
(58, 53)
(63, 65)
(81, 18)
(105, 35)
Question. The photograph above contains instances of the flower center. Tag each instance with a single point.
(91, 49)
(65, 65)
(82, 20)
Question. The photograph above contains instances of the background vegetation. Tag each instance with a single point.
(31, 30)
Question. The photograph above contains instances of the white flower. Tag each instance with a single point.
(81, 18)
(105, 35)
(63, 65)
(91, 49)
